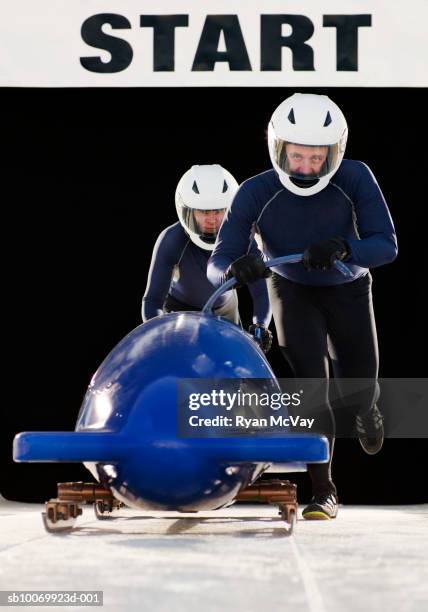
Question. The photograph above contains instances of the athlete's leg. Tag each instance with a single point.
(230, 310)
(352, 339)
(302, 337)
(354, 351)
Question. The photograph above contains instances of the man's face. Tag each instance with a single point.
(209, 221)
(305, 160)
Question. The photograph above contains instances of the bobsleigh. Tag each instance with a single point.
(126, 432)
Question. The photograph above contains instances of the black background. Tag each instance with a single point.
(88, 180)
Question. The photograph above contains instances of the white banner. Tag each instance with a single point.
(172, 43)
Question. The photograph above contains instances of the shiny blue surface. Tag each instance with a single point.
(127, 424)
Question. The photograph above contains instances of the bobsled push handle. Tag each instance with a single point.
(277, 261)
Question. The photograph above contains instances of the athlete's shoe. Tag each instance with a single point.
(370, 430)
(323, 506)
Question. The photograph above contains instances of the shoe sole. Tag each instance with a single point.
(317, 516)
(371, 451)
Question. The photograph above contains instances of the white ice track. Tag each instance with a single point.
(369, 558)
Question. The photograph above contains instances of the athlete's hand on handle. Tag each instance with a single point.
(261, 335)
(247, 269)
(322, 255)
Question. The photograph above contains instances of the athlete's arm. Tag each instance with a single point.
(378, 242)
(159, 277)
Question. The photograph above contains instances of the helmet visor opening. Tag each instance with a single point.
(204, 223)
(306, 163)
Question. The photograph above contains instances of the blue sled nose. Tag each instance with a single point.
(127, 427)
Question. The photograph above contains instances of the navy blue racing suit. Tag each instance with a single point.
(178, 280)
(317, 313)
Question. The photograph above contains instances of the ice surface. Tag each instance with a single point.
(239, 559)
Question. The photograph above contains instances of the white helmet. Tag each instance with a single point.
(204, 188)
(307, 138)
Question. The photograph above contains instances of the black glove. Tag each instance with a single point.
(322, 255)
(262, 335)
(247, 269)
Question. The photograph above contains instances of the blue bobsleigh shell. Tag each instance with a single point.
(126, 432)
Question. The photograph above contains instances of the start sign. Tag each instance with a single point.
(224, 29)
(215, 43)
